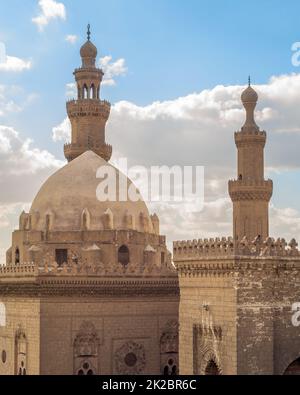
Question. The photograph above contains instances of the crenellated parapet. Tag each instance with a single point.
(226, 247)
(85, 268)
(246, 137)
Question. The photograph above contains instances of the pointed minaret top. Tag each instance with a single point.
(249, 99)
(89, 32)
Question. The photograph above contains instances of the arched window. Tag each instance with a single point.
(2, 315)
(98, 92)
(212, 369)
(85, 92)
(123, 255)
(17, 256)
(293, 369)
(86, 347)
(169, 349)
(93, 91)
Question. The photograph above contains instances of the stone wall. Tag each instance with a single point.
(122, 325)
(236, 305)
(22, 315)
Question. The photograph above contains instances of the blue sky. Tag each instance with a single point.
(171, 49)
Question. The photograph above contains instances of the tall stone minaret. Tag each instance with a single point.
(250, 193)
(88, 114)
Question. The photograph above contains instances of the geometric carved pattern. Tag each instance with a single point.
(85, 350)
(207, 341)
(169, 349)
(20, 353)
(169, 338)
(86, 342)
(130, 359)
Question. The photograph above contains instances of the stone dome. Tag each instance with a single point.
(88, 50)
(70, 193)
(249, 95)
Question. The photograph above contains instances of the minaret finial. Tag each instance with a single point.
(249, 81)
(88, 32)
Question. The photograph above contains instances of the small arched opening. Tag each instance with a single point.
(93, 91)
(17, 256)
(212, 369)
(123, 255)
(293, 369)
(85, 92)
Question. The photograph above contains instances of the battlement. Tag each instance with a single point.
(86, 269)
(226, 247)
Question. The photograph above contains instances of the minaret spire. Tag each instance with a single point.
(88, 114)
(89, 32)
(250, 193)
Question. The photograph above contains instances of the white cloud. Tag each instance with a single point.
(23, 169)
(198, 129)
(12, 63)
(112, 69)
(13, 99)
(50, 10)
(62, 132)
(18, 157)
(71, 38)
(71, 90)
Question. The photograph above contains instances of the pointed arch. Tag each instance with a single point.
(85, 92)
(93, 91)
(85, 219)
(17, 256)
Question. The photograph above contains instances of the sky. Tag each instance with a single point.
(174, 72)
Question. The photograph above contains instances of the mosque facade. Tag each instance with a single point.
(90, 288)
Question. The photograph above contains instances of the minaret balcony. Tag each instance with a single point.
(74, 150)
(250, 190)
(250, 137)
(88, 108)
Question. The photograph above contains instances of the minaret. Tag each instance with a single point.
(250, 193)
(88, 114)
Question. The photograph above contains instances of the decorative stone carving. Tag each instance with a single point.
(108, 219)
(85, 219)
(130, 359)
(86, 350)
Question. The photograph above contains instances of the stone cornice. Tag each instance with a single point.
(52, 286)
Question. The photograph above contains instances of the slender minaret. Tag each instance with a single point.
(88, 114)
(250, 193)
